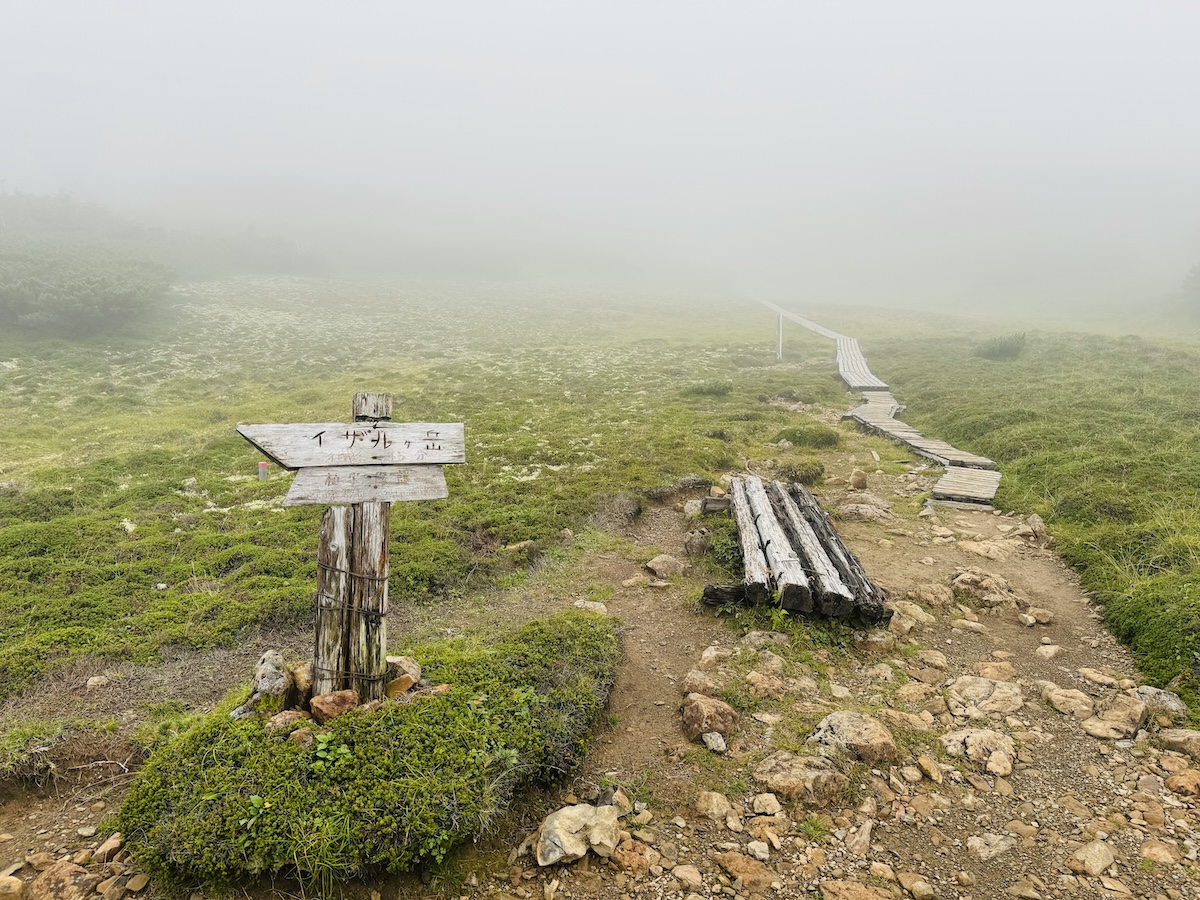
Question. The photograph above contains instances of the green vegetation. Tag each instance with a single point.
(131, 517)
(384, 789)
(812, 437)
(1099, 436)
(1009, 346)
(708, 389)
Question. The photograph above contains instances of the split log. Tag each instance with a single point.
(831, 595)
(758, 577)
(869, 599)
(794, 591)
(329, 656)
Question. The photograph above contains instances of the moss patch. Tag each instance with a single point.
(389, 788)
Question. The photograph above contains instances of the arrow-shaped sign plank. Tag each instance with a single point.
(325, 444)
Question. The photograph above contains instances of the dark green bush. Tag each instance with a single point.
(382, 789)
(714, 388)
(805, 471)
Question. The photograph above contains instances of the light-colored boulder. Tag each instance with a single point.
(567, 834)
(1160, 702)
(857, 736)
(970, 692)
(1091, 859)
(704, 714)
(63, 881)
(665, 566)
(1183, 740)
(1069, 701)
(813, 780)
(756, 878)
(1117, 717)
(713, 805)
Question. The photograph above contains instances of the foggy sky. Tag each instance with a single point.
(907, 153)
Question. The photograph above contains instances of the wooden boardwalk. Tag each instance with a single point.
(969, 478)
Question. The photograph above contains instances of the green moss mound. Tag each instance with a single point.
(812, 437)
(382, 789)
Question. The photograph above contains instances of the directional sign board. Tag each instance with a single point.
(329, 444)
(366, 484)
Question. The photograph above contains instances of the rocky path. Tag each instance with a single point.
(994, 742)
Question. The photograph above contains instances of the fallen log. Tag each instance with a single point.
(757, 577)
(869, 600)
(831, 596)
(724, 595)
(794, 591)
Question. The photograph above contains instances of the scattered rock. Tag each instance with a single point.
(1160, 852)
(697, 682)
(688, 876)
(766, 805)
(330, 706)
(852, 890)
(1069, 701)
(855, 735)
(106, 851)
(64, 881)
(1091, 859)
(993, 550)
(714, 742)
(1184, 740)
(713, 805)
(137, 883)
(982, 745)
(1160, 702)
(755, 876)
(704, 714)
(1120, 716)
(1186, 783)
(272, 679)
(763, 640)
(858, 480)
(664, 566)
(813, 780)
(632, 855)
(936, 595)
(11, 887)
(987, 846)
(567, 834)
(286, 719)
(696, 542)
(592, 606)
(971, 692)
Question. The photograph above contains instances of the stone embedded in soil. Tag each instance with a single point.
(286, 718)
(1183, 740)
(11, 887)
(106, 851)
(838, 889)
(756, 877)
(814, 780)
(137, 883)
(1049, 651)
(1185, 783)
(697, 682)
(855, 735)
(766, 805)
(987, 846)
(64, 881)
(330, 706)
(1091, 859)
(688, 876)
(592, 606)
(1068, 701)
(703, 714)
(399, 686)
(1117, 717)
(1160, 702)
(971, 692)
(1160, 852)
(567, 834)
(632, 855)
(272, 678)
(665, 566)
(714, 742)
(981, 745)
(713, 805)
(763, 640)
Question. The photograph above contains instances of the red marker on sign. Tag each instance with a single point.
(262, 471)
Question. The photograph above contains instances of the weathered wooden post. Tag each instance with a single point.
(369, 464)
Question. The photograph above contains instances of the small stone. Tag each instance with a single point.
(96, 681)
(137, 882)
(665, 566)
(766, 805)
(759, 850)
(64, 881)
(592, 606)
(704, 714)
(1091, 859)
(106, 851)
(1049, 651)
(334, 704)
(688, 876)
(11, 887)
(86, 831)
(712, 805)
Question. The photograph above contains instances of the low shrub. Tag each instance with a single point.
(388, 788)
(1008, 346)
(714, 388)
(805, 471)
(813, 437)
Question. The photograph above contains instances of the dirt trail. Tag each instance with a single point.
(894, 832)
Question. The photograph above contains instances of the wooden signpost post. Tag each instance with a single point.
(370, 464)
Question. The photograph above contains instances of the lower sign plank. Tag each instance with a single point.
(336, 485)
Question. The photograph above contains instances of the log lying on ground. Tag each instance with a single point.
(758, 577)
(868, 604)
(794, 592)
(831, 596)
(724, 595)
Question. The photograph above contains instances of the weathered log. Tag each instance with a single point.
(794, 591)
(724, 595)
(831, 596)
(329, 655)
(367, 625)
(758, 576)
(869, 600)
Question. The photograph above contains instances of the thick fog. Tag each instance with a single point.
(916, 153)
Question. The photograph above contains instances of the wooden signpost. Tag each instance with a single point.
(370, 464)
